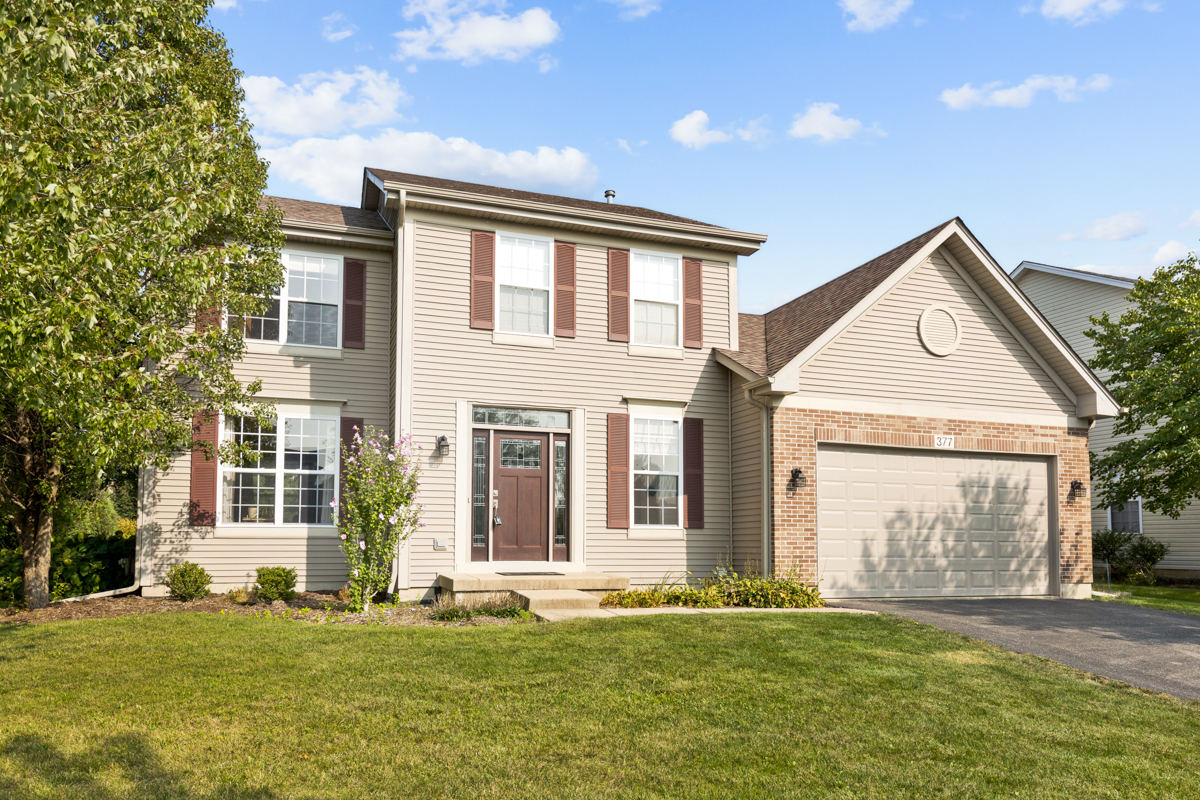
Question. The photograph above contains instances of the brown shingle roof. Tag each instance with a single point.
(306, 211)
(533, 197)
(778, 336)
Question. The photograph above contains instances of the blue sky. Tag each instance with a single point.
(1061, 131)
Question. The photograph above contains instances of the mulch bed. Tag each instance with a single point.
(310, 607)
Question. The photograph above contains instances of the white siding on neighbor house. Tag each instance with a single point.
(452, 361)
(747, 480)
(1069, 304)
(880, 355)
(231, 555)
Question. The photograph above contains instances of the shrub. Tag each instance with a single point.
(726, 589)
(275, 583)
(1130, 557)
(452, 608)
(188, 581)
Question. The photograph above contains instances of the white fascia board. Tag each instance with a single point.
(1080, 275)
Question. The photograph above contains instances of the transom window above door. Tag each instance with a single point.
(310, 305)
(523, 284)
(521, 417)
(654, 281)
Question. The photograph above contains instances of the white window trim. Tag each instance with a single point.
(283, 304)
(279, 471)
(634, 298)
(549, 289)
(1141, 515)
(633, 418)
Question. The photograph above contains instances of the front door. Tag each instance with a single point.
(520, 529)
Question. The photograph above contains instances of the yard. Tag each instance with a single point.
(781, 705)
(1183, 599)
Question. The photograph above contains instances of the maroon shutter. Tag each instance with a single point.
(693, 472)
(564, 289)
(618, 470)
(207, 318)
(202, 509)
(693, 303)
(349, 426)
(618, 296)
(483, 279)
(354, 304)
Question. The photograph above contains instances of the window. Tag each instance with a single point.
(293, 477)
(523, 284)
(560, 492)
(521, 417)
(1128, 519)
(310, 305)
(656, 471)
(479, 487)
(655, 294)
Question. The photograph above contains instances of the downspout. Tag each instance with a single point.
(767, 500)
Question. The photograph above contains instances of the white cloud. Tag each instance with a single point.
(1122, 271)
(456, 30)
(636, 9)
(756, 130)
(332, 168)
(1116, 228)
(1191, 222)
(871, 15)
(1171, 252)
(1065, 88)
(624, 145)
(322, 102)
(335, 19)
(1081, 12)
(821, 121)
(546, 63)
(692, 131)
(224, 5)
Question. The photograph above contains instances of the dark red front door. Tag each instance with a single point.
(522, 482)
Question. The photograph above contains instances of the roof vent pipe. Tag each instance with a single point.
(609, 194)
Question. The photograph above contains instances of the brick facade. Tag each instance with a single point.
(795, 434)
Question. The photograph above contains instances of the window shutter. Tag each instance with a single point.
(347, 434)
(618, 296)
(618, 470)
(483, 279)
(693, 472)
(202, 508)
(693, 303)
(564, 289)
(354, 304)
(207, 318)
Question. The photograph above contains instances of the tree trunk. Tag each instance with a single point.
(35, 558)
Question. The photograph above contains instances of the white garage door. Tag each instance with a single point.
(920, 523)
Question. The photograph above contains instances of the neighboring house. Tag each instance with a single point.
(1069, 298)
(588, 400)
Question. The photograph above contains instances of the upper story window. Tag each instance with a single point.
(523, 284)
(311, 304)
(655, 293)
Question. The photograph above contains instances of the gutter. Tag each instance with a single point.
(767, 500)
(98, 595)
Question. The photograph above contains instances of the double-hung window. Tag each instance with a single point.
(656, 471)
(523, 278)
(307, 310)
(291, 476)
(656, 306)
(1128, 518)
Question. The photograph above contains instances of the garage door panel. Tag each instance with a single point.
(915, 523)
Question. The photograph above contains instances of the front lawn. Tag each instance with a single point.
(1185, 600)
(770, 705)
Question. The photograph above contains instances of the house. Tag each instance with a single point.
(591, 405)
(1069, 298)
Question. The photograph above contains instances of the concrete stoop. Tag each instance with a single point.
(539, 601)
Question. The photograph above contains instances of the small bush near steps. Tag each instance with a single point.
(275, 583)
(502, 605)
(726, 590)
(188, 581)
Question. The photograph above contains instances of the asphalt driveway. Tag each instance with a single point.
(1153, 649)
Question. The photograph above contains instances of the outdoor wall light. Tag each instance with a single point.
(797, 477)
(443, 446)
(1077, 489)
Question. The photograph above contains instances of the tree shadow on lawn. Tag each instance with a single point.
(37, 769)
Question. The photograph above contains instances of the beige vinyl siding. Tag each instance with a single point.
(231, 555)
(1069, 304)
(747, 479)
(452, 361)
(880, 355)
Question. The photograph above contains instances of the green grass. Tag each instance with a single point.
(1166, 598)
(196, 706)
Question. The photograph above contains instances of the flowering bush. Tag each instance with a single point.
(377, 510)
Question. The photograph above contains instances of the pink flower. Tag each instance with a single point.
(362, 545)
(343, 537)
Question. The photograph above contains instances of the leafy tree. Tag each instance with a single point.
(1151, 355)
(130, 205)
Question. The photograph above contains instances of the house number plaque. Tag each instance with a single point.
(943, 441)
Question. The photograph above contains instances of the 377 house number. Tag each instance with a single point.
(943, 441)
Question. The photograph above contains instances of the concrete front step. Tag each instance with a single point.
(458, 582)
(541, 600)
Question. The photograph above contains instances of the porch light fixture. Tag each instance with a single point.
(1077, 489)
(797, 477)
(443, 446)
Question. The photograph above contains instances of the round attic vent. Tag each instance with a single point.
(939, 330)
